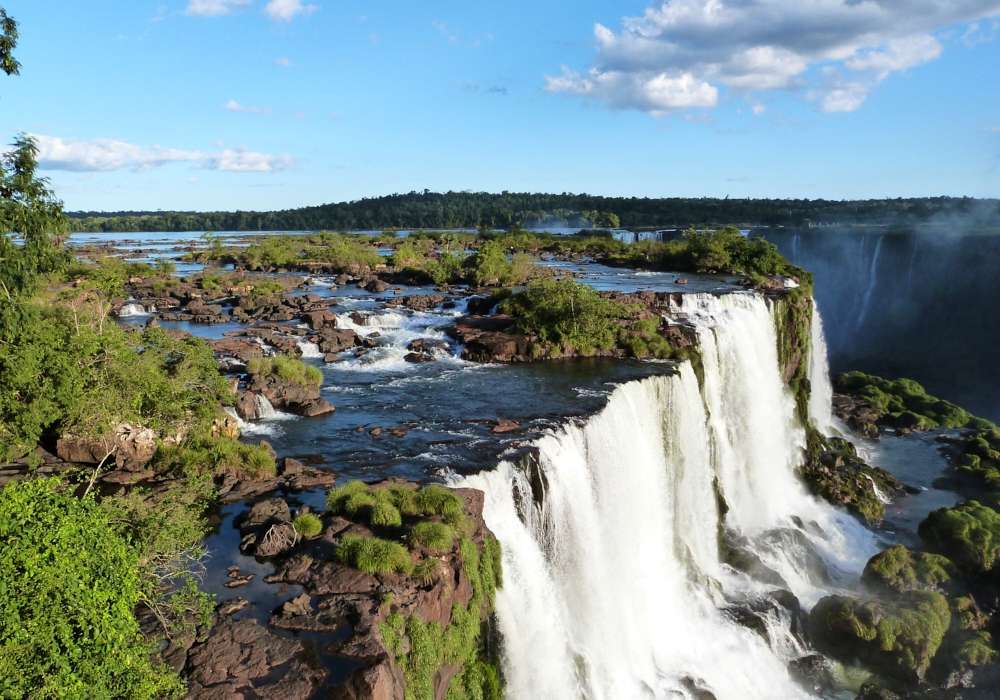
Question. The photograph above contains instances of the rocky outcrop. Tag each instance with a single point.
(131, 447)
(293, 397)
(241, 660)
(860, 414)
(489, 339)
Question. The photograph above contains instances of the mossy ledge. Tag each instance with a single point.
(415, 571)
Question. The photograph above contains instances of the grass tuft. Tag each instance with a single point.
(307, 525)
(433, 535)
(373, 555)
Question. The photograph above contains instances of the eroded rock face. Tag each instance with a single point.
(131, 447)
(861, 414)
(242, 661)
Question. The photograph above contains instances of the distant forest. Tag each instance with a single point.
(431, 210)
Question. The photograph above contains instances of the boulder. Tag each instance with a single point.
(319, 319)
(131, 446)
(897, 569)
(332, 340)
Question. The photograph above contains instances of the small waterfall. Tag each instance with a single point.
(614, 580)
(308, 348)
(872, 280)
(821, 390)
(265, 410)
(134, 309)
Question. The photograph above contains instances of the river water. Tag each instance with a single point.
(615, 584)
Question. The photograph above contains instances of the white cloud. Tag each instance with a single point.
(234, 106)
(285, 10)
(214, 8)
(284, 63)
(680, 52)
(106, 155)
(994, 129)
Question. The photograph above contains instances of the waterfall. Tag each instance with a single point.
(309, 349)
(615, 585)
(872, 279)
(134, 309)
(265, 410)
(820, 389)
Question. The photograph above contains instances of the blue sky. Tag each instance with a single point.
(271, 104)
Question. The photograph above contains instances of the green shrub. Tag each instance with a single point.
(433, 535)
(204, 454)
(565, 311)
(288, 369)
(307, 525)
(429, 571)
(438, 500)
(373, 555)
(336, 498)
(69, 586)
(384, 514)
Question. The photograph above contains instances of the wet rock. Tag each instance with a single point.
(231, 606)
(418, 357)
(428, 345)
(319, 319)
(873, 692)
(812, 672)
(238, 580)
(505, 426)
(242, 349)
(246, 405)
(265, 513)
(860, 413)
(291, 467)
(315, 407)
(335, 340)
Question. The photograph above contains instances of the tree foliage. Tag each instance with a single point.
(68, 588)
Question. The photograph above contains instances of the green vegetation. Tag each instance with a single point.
(968, 643)
(432, 210)
(904, 403)
(307, 525)
(435, 536)
(69, 585)
(431, 647)
(202, 453)
(373, 555)
(898, 569)
(288, 369)
(898, 637)
(968, 534)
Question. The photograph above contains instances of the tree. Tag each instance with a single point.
(8, 42)
(68, 590)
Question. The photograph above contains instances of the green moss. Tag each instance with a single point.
(898, 637)
(433, 535)
(288, 369)
(307, 525)
(373, 555)
(898, 569)
(969, 534)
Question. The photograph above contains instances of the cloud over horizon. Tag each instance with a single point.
(234, 106)
(107, 155)
(680, 52)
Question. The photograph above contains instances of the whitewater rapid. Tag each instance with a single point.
(614, 583)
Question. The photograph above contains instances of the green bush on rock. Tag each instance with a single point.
(898, 637)
(307, 525)
(436, 536)
(898, 569)
(374, 555)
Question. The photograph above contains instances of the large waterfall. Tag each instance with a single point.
(615, 586)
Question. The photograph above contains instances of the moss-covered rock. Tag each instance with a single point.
(969, 533)
(967, 644)
(834, 471)
(897, 637)
(897, 570)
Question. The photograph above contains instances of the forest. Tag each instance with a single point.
(478, 210)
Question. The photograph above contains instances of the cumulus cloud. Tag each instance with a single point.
(234, 106)
(285, 10)
(214, 8)
(994, 129)
(680, 52)
(284, 63)
(106, 155)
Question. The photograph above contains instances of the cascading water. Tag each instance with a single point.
(872, 281)
(615, 585)
(134, 309)
(821, 391)
(265, 410)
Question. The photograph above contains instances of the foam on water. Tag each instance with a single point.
(614, 582)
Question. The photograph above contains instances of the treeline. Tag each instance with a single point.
(508, 209)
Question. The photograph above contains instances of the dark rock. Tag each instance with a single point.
(319, 319)
(231, 606)
(291, 467)
(812, 672)
(418, 357)
(269, 512)
(242, 660)
(315, 407)
(505, 426)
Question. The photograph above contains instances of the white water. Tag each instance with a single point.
(614, 582)
(135, 309)
(872, 281)
(308, 349)
(821, 390)
(265, 410)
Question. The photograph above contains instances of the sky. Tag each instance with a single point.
(202, 105)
